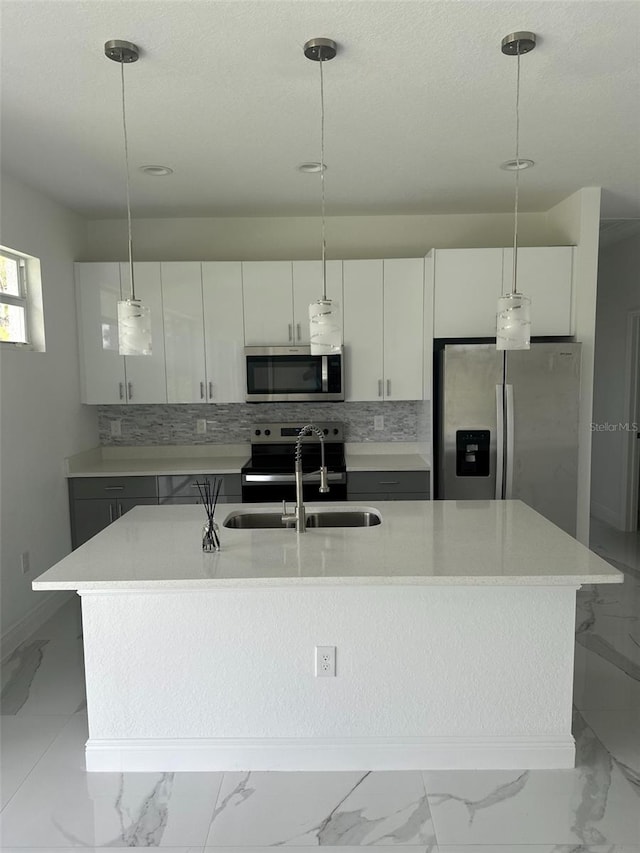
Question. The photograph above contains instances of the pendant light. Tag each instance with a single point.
(134, 318)
(325, 328)
(514, 317)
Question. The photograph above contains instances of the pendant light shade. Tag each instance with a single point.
(325, 323)
(513, 326)
(134, 318)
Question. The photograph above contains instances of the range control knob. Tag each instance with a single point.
(325, 431)
(257, 432)
(335, 430)
(267, 432)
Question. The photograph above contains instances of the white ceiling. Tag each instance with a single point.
(420, 104)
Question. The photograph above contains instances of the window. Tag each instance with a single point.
(14, 327)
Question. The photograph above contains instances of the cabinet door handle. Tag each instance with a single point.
(211, 390)
(379, 387)
(299, 331)
(202, 390)
(119, 510)
(290, 331)
(110, 513)
(121, 387)
(388, 387)
(130, 388)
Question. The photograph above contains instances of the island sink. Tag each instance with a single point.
(318, 518)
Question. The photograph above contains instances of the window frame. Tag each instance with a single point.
(21, 301)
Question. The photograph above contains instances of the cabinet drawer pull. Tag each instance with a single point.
(113, 488)
(379, 387)
(130, 387)
(211, 390)
(388, 387)
(388, 482)
(121, 388)
(202, 390)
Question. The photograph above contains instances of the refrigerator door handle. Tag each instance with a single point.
(510, 443)
(499, 442)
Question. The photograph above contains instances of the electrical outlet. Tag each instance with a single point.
(325, 661)
(201, 426)
(378, 421)
(25, 564)
(116, 428)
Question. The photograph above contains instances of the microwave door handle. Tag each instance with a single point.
(325, 374)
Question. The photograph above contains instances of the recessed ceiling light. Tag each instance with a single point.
(310, 168)
(156, 171)
(517, 165)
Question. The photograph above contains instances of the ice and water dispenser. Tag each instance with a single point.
(472, 452)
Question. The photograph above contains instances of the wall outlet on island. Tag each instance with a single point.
(325, 661)
(201, 426)
(378, 421)
(116, 428)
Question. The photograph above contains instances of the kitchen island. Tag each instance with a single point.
(453, 623)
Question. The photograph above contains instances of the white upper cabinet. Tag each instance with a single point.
(101, 367)
(268, 299)
(145, 374)
(184, 332)
(468, 283)
(403, 328)
(383, 329)
(307, 288)
(545, 276)
(223, 331)
(363, 329)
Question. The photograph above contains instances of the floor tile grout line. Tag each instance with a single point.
(67, 718)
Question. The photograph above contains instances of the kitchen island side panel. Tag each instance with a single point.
(489, 667)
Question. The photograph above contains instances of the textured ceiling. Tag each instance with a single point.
(419, 104)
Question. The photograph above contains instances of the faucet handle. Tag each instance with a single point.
(324, 483)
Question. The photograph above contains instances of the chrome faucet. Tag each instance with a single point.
(300, 515)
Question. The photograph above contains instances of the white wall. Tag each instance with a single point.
(578, 218)
(41, 419)
(298, 238)
(618, 294)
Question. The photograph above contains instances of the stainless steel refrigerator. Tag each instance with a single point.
(507, 426)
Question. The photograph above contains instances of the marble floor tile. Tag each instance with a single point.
(23, 741)
(60, 805)
(538, 848)
(197, 849)
(619, 732)
(593, 804)
(334, 809)
(599, 684)
(609, 542)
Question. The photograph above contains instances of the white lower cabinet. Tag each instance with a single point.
(383, 329)
(106, 376)
(223, 331)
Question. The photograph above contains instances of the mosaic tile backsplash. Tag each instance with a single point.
(232, 422)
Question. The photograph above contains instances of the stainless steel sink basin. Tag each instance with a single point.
(315, 518)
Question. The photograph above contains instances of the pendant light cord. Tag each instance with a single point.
(517, 176)
(324, 243)
(126, 160)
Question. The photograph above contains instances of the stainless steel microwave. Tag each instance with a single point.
(289, 374)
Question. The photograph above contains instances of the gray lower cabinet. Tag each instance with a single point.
(367, 486)
(95, 502)
(183, 489)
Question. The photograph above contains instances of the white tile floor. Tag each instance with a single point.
(50, 804)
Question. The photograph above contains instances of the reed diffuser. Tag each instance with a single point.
(209, 493)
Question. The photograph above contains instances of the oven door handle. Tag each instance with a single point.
(312, 477)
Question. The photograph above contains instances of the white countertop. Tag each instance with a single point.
(419, 542)
(137, 461)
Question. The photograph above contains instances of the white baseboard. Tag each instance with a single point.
(603, 513)
(30, 622)
(229, 754)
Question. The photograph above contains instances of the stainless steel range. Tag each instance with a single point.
(269, 474)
